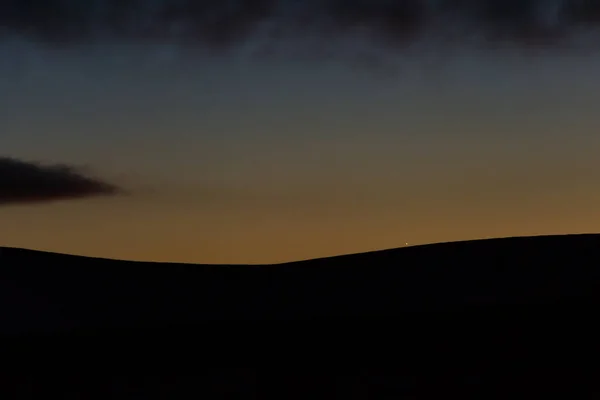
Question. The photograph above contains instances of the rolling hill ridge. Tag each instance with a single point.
(47, 289)
(497, 318)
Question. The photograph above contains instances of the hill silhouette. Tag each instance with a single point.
(85, 292)
(445, 316)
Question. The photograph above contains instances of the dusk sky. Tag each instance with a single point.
(272, 131)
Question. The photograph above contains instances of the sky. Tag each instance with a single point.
(277, 130)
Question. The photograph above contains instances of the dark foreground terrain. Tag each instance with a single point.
(488, 319)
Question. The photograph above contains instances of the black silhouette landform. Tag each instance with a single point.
(54, 292)
(424, 309)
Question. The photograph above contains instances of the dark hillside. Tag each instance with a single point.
(500, 318)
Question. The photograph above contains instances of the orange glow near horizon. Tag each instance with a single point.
(288, 162)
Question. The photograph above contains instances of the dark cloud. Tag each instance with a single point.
(26, 182)
(223, 24)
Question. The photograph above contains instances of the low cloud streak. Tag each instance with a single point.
(27, 182)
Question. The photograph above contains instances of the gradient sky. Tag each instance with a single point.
(300, 150)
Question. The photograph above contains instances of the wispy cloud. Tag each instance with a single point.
(28, 182)
(223, 24)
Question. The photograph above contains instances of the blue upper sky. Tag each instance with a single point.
(244, 134)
